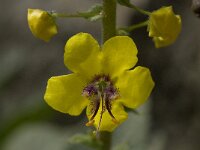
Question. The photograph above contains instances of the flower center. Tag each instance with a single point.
(101, 92)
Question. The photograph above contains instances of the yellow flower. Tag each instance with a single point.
(101, 81)
(41, 24)
(164, 26)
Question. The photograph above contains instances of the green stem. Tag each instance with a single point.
(106, 140)
(109, 19)
(135, 26)
(58, 15)
(109, 30)
(139, 9)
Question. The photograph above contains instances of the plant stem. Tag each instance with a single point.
(109, 19)
(135, 26)
(106, 140)
(109, 30)
(66, 15)
(139, 9)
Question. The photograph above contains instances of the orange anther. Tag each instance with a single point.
(90, 123)
(115, 121)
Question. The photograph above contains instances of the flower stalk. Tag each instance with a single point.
(139, 9)
(60, 15)
(135, 26)
(109, 19)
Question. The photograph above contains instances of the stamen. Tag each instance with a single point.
(101, 115)
(96, 109)
(101, 92)
(115, 121)
(97, 104)
(108, 107)
(89, 123)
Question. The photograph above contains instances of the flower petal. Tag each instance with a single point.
(63, 93)
(119, 54)
(135, 87)
(82, 54)
(107, 123)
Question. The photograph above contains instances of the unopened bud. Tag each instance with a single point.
(41, 24)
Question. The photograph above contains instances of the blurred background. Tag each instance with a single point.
(169, 121)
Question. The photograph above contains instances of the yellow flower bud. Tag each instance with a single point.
(41, 24)
(164, 26)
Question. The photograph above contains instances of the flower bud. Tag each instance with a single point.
(164, 26)
(41, 24)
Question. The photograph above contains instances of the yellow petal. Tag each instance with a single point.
(107, 123)
(41, 24)
(135, 87)
(63, 93)
(164, 26)
(119, 54)
(82, 55)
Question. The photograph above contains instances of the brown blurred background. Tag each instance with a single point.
(169, 121)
